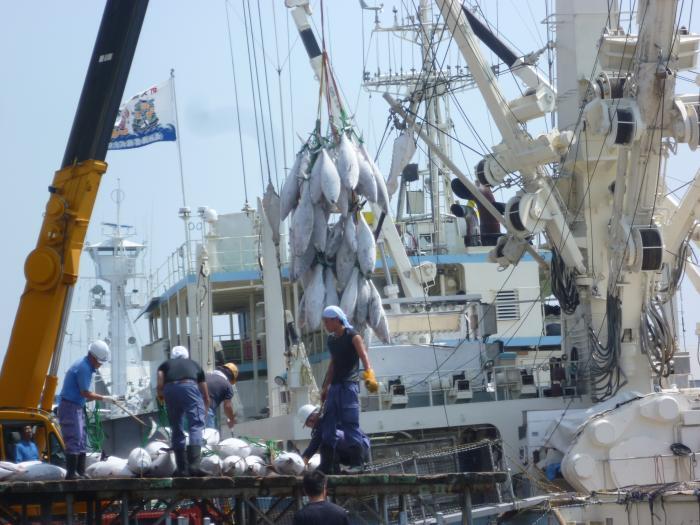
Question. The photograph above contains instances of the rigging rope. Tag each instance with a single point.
(238, 106)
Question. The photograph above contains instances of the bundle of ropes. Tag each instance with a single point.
(606, 375)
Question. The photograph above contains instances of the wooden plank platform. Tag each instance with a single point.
(240, 493)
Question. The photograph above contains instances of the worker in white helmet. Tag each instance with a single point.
(74, 394)
(345, 452)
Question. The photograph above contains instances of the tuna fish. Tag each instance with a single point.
(348, 167)
(320, 233)
(315, 296)
(301, 265)
(288, 464)
(366, 184)
(364, 297)
(381, 329)
(290, 193)
(350, 233)
(383, 199)
(349, 300)
(233, 466)
(366, 248)
(330, 179)
(316, 177)
(404, 148)
(303, 222)
(344, 263)
(375, 305)
(343, 204)
(335, 238)
(331, 288)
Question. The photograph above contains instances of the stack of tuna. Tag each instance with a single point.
(333, 248)
(229, 457)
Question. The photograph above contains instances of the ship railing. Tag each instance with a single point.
(233, 254)
(472, 385)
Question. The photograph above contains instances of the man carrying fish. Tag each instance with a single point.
(182, 384)
(341, 388)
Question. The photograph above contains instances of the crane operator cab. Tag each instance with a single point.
(45, 435)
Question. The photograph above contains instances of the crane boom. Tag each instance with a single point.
(51, 269)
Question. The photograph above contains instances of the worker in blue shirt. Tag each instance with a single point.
(26, 449)
(341, 389)
(76, 391)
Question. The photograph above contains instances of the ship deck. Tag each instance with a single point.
(241, 500)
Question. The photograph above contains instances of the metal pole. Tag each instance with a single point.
(125, 509)
(467, 507)
(69, 509)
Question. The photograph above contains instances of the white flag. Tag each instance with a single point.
(146, 118)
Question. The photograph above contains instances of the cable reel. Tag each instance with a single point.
(489, 171)
(646, 249)
(525, 215)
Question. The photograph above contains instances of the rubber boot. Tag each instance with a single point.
(71, 466)
(80, 468)
(329, 463)
(181, 463)
(194, 457)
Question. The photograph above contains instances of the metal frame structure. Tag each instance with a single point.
(242, 500)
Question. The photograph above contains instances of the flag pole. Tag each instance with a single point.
(185, 211)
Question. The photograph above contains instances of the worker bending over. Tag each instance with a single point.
(182, 384)
(220, 385)
(346, 453)
(341, 387)
(75, 392)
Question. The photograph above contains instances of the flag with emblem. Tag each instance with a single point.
(146, 118)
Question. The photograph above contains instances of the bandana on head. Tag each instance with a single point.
(334, 312)
(179, 352)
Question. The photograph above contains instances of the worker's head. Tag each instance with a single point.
(230, 370)
(334, 320)
(308, 415)
(315, 485)
(98, 352)
(27, 432)
(179, 352)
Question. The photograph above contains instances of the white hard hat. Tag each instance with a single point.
(179, 352)
(304, 413)
(99, 350)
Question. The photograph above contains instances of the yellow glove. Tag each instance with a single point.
(370, 381)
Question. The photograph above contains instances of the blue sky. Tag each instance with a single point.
(44, 50)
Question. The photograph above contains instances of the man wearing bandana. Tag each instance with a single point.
(341, 386)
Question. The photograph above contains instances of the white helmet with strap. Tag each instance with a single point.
(99, 350)
(304, 413)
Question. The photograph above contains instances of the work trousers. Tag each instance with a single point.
(342, 412)
(72, 419)
(184, 400)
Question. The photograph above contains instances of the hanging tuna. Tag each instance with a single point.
(404, 149)
(314, 296)
(344, 263)
(303, 222)
(320, 232)
(350, 234)
(366, 248)
(348, 167)
(383, 199)
(335, 238)
(330, 180)
(364, 296)
(289, 196)
(331, 288)
(349, 299)
(366, 183)
(272, 206)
